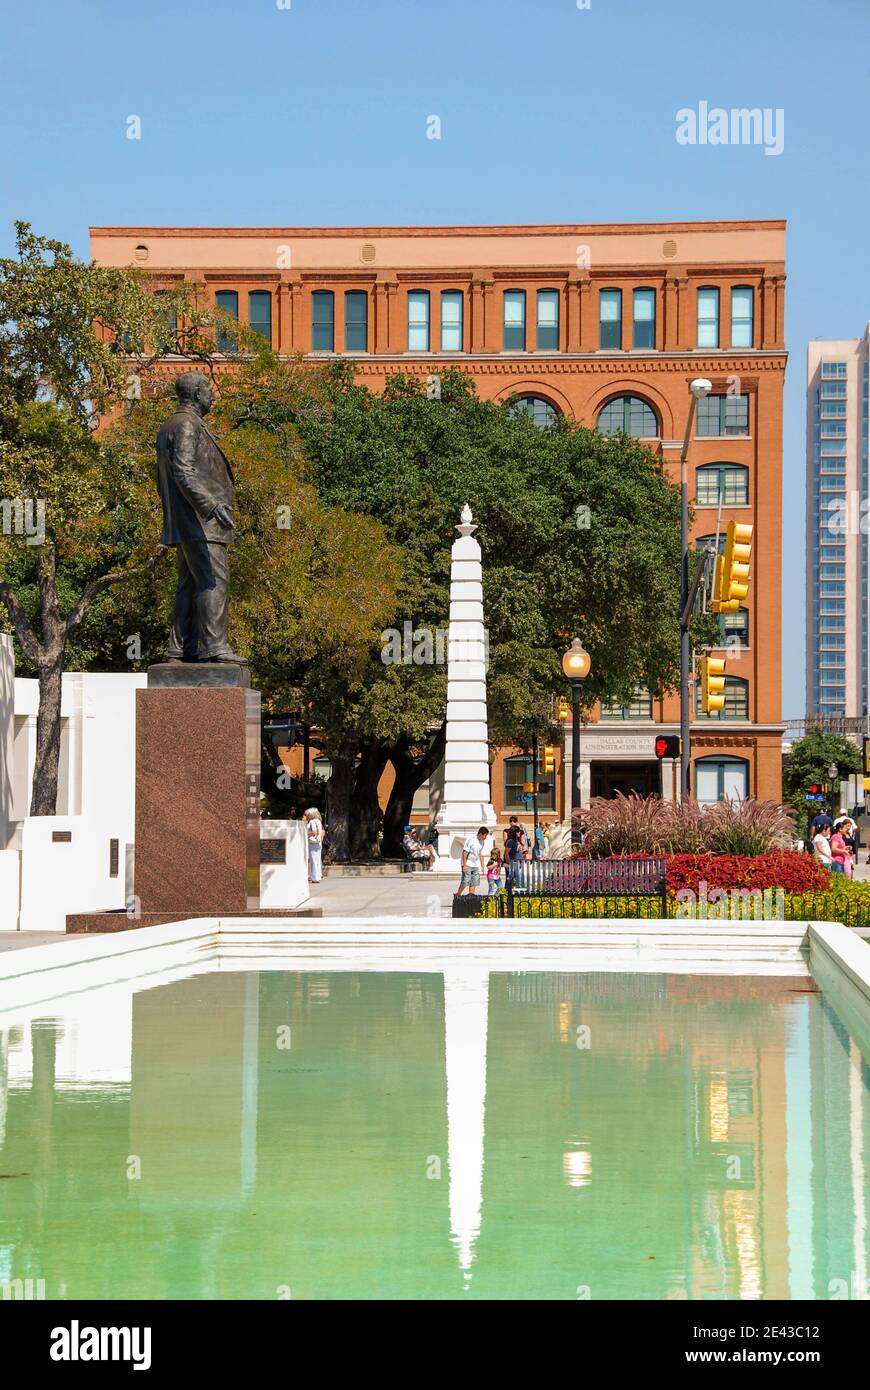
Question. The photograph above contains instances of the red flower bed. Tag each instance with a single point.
(791, 870)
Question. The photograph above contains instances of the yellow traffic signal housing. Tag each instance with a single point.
(549, 759)
(867, 757)
(731, 578)
(528, 788)
(712, 684)
(562, 710)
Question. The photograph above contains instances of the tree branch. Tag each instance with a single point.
(20, 623)
(96, 586)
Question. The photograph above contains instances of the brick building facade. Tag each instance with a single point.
(606, 324)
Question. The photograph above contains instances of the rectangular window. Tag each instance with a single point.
(548, 321)
(833, 390)
(708, 317)
(833, 369)
(833, 410)
(228, 300)
(741, 316)
(644, 326)
(639, 708)
(518, 771)
(514, 339)
(723, 415)
(323, 321)
(451, 321)
(610, 318)
(418, 321)
(168, 340)
(728, 483)
(735, 627)
(260, 313)
(356, 321)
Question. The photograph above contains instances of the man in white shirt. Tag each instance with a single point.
(475, 856)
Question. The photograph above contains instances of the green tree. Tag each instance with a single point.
(580, 536)
(808, 761)
(74, 520)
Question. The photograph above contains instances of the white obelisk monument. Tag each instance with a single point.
(465, 805)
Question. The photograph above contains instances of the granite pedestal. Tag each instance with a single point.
(197, 792)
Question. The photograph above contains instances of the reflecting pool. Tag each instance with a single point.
(338, 1135)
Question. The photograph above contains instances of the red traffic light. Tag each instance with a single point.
(815, 789)
(667, 746)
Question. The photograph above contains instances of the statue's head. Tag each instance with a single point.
(193, 388)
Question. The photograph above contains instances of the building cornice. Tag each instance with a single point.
(526, 229)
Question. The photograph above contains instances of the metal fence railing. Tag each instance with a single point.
(570, 879)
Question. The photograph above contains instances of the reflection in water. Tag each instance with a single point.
(283, 1134)
(466, 1007)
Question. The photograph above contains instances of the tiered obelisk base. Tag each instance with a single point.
(465, 805)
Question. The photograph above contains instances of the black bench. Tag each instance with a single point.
(586, 878)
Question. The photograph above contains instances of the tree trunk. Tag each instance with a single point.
(338, 789)
(411, 773)
(365, 809)
(43, 800)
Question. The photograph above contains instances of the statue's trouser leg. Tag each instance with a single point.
(207, 562)
(183, 634)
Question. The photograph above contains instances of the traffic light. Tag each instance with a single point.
(667, 746)
(549, 764)
(867, 757)
(712, 684)
(731, 579)
(562, 710)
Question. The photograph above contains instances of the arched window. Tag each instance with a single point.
(228, 300)
(260, 313)
(742, 298)
(451, 320)
(708, 317)
(540, 411)
(418, 320)
(628, 415)
(547, 336)
(323, 321)
(725, 483)
(709, 542)
(514, 328)
(721, 778)
(610, 318)
(644, 318)
(736, 700)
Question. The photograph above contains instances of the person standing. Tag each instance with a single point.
(314, 828)
(822, 849)
(475, 853)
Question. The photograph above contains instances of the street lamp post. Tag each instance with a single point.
(576, 663)
(699, 388)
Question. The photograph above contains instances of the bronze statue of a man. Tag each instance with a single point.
(197, 491)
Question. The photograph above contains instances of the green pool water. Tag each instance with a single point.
(397, 1135)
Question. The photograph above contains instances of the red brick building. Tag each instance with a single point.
(606, 324)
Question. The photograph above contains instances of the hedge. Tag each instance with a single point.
(850, 908)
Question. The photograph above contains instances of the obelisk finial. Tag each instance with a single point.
(466, 527)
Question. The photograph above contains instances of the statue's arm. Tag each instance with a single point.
(182, 462)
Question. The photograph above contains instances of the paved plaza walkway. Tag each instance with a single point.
(394, 895)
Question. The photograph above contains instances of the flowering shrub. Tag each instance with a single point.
(791, 870)
(645, 825)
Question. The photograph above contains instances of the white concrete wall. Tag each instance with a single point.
(7, 733)
(285, 885)
(96, 800)
(58, 877)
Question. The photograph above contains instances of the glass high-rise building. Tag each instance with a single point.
(838, 521)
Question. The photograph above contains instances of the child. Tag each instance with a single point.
(840, 852)
(493, 872)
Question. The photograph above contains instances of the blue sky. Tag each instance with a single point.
(316, 114)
